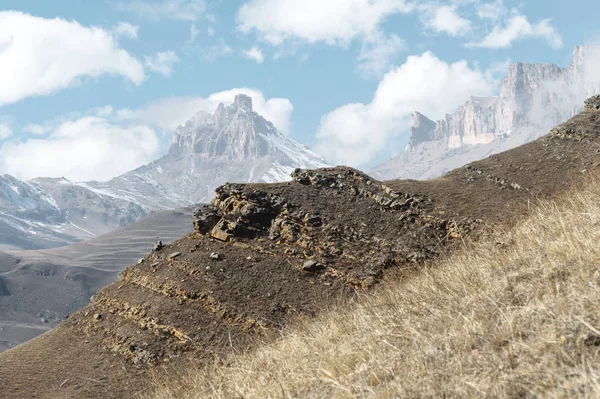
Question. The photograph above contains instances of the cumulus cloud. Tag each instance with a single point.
(88, 148)
(183, 10)
(194, 32)
(357, 134)
(255, 53)
(217, 50)
(290, 23)
(127, 30)
(5, 131)
(444, 19)
(492, 11)
(36, 129)
(162, 62)
(40, 56)
(517, 27)
(378, 52)
(329, 21)
(168, 113)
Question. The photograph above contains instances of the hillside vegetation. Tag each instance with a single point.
(514, 315)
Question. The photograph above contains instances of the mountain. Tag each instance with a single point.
(532, 99)
(38, 289)
(232, 144)
(265, 256)
(47, 213)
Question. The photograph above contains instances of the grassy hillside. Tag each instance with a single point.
(515, 315)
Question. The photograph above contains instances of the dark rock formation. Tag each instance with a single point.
(592, 103)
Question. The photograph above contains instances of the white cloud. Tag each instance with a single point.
(492, 11)
(518, 28)
(168, 113)
(217, 50)
(444, 19)
(378, 52)
(193, 33)
(288, 24)
(103, 112)
(255, 53)
(88, 148)
(41, 56)
(183, 10)
(330, 21)
(210, 31)
(127, 30)
(162, 62)
(5, 131)
(356, 134)
(38, 130)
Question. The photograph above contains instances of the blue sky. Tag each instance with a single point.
(96, 88)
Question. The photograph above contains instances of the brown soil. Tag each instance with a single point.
(246, 272)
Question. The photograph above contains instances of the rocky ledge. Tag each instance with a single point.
(338, 217)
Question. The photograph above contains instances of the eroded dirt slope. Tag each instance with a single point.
(264, 255)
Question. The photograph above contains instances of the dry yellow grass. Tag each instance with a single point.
(516, 315)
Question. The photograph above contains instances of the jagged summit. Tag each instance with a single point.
(234, 143)
(422, 129)
(234, 131)
(242, 101)
(532, 98)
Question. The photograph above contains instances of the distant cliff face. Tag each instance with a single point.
(524, 97)
(532, 99)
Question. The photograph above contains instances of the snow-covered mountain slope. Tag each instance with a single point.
(233, 144)
(46, 213)
(91, 211)
(532, 99)
(27, 214)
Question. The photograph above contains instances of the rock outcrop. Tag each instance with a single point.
(303, 233)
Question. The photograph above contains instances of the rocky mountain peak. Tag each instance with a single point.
(20, 199)
(584, 71)
(422, 129)
(532, 99)
(235, 131)
(242, 101)
(531, 96)
(233, 143)
(524, 78)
